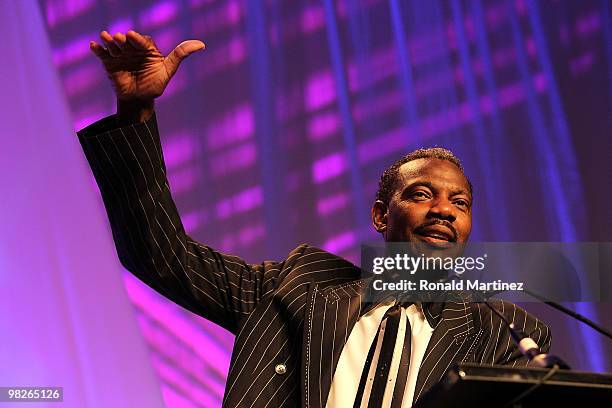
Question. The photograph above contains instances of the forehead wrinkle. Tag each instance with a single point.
(412, 170)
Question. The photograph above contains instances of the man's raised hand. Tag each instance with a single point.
(137, 69)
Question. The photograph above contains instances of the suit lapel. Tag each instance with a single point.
(452, 340)
(330, 316)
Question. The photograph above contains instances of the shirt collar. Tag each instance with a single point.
(431, 309)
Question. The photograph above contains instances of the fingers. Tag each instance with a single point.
(182, 51)
(113, 49)
(121, 42)
(186, 48)
(115, 45)
(137, 40)
(132, 40)
(99, 50)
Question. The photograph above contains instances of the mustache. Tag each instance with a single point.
(422, 229)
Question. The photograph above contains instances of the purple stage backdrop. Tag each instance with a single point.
(277, 134)
(65, 317)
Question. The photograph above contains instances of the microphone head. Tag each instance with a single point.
(528, 347)
(547, 361)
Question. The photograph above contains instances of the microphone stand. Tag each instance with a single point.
(528, 347)
(571, 313)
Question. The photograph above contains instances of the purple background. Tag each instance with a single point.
(277, 134)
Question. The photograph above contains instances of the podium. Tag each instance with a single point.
(474, 385)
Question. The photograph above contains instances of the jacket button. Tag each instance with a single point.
(280, 369)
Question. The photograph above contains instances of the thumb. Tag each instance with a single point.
(182, 51)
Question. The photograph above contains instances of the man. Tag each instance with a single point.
(305, 336)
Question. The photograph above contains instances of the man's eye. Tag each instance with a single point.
(462, 203)
(419, 194)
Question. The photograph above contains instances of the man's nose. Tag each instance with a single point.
(443, 209)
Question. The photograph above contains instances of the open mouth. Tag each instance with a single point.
(435, 238)
(436, 234)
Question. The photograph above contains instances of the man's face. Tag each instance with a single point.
(432, 204)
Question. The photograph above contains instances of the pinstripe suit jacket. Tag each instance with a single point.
(298, 312)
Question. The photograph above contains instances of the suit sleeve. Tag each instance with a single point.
(499, 347)
(151, 243)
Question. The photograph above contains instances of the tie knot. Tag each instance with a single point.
(396, 309)
(404, 303)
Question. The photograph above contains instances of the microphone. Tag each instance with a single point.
(528, 347)
(555, 305)
(531, 350)
(583, 319)
(540, 359)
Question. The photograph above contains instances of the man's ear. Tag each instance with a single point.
(379, 216)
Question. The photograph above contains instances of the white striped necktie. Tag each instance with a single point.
(393, 317)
